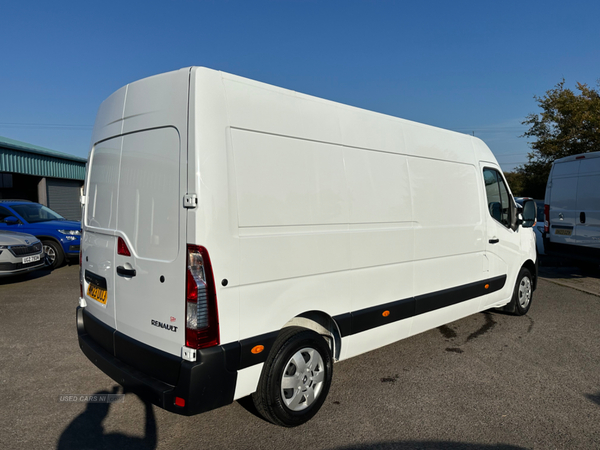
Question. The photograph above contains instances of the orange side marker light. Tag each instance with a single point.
(256, 350)
(487, 286)
(385, 313)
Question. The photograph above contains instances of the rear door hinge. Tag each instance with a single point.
(190, 201)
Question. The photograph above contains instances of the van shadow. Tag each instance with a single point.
(594, 398)
(248, 405)
(87, 432)
(430, 445)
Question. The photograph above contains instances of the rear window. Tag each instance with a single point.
(134, 188)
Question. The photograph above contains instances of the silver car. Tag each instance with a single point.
(20, 253)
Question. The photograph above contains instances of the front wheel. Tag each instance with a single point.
(521, 300)
(54, 253)
(295, 379)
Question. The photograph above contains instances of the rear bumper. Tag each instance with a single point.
(205, 384)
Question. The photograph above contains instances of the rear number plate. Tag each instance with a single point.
(97, 293)
(29, 259)
(563, 232)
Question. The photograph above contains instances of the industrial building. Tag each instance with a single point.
(34, 173)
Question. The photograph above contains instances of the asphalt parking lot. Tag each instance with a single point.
(489, 381)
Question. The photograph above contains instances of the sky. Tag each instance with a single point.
(468, 66)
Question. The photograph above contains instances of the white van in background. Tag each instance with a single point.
(238, 238)
(572, 208)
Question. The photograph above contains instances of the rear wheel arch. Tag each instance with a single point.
(323, 324)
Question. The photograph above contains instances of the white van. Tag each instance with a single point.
(238, 238)
(572, 208)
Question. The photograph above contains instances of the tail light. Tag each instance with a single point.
(122, 248)
(546, 218)
(202, 325)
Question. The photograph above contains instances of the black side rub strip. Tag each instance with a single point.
(376, 316)
(248, 358)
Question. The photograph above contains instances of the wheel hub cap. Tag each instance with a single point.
(302, 379)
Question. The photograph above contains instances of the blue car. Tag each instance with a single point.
(60, 237)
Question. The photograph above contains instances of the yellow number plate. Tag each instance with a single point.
(563, 232)
(97, 293)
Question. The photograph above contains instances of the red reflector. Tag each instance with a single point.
(580, 157)
(179, 402)
(122, 248)
(546, 218)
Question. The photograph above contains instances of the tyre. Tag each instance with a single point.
(521, 299)
(295, 379)
(54, 254)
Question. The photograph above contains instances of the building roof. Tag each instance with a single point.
(30, 148)
(28, 159)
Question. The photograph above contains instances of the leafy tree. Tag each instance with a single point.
(569, 124)
(516, 182)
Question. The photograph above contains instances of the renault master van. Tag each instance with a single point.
(239, 238)
(572, 208)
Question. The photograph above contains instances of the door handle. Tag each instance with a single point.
(126, 272)
(494, 241)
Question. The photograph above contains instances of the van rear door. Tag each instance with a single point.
(587, 217)
(135, 236)
(563, 202)
(150, 281)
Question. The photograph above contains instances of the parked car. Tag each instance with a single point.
(539, 226)
(60, 237)
(20, 253)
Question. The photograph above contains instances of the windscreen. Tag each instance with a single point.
(35, 213)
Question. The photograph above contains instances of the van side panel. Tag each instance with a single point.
(363, 224)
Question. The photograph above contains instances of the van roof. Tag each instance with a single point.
(586, 155)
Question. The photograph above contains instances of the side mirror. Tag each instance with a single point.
(529, 213)
(11, 220)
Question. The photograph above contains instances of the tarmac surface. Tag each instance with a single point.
(489, 381)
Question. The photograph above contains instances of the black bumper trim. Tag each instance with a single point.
(206, 384)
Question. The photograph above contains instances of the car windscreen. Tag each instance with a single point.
(35, 213)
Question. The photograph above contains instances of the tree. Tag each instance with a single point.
(516, 182)
(569, 124)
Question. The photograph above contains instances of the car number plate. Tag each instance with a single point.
(97, 293)
(563, 232)
(29, 259)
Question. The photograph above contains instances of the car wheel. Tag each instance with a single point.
(521, 300)
(295, 379)
(54, 254)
